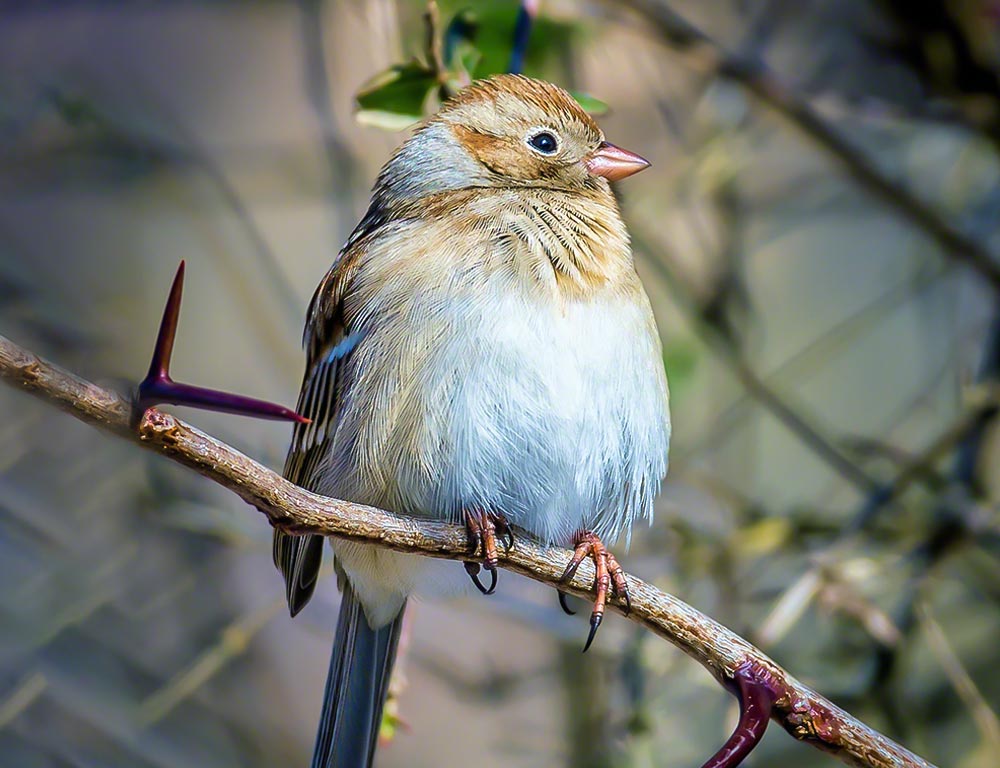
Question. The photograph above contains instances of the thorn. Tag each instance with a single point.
(159, 388)
(595, 622)
(564, 605)
(756, 701)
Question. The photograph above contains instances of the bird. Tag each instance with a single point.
(481, 351)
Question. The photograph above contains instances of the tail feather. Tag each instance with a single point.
(356, 688)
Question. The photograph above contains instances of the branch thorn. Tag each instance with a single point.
(756, 701)
(159, 388)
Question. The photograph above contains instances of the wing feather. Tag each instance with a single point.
(329, 344)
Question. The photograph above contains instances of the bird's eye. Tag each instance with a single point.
(544, 142)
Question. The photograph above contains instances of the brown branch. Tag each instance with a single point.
(731, 659)
(706, 55)
(433, 45)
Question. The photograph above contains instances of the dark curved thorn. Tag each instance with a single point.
(158, 387)
(563, 604)
(167, 391)
(756, 701)
(159, 366)
(595, 622)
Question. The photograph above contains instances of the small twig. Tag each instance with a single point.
(985, 718)
(756, 387)
(432, 47)
(756, 702)
(24, 694)
(802, 712)
(753, 75)
(922, 466)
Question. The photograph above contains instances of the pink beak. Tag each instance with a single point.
(614, 163)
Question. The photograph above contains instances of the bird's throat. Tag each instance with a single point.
(582, 238)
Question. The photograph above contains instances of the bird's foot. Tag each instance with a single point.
(610, 578)
(483, 528)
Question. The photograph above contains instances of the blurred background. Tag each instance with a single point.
(817, 235)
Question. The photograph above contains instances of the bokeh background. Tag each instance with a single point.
(805, 234)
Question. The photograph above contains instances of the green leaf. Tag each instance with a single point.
(394, 99)
(391, 721)
(549, 47)
(387, 121)
(591, 104)
(763, 537)
(680, 358)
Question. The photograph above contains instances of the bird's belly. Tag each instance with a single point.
(555, 417)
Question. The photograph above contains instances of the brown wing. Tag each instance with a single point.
(328, 344)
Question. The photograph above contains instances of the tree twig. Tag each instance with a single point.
(432, 45)
(753, 75)
(985, 718)
(758, 389)
(731, 659)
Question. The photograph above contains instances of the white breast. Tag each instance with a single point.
(477, 391)
(557, 417)
(484, 396)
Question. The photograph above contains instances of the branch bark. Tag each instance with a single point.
(802, 712)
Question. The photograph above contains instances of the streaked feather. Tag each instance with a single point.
(328, 344)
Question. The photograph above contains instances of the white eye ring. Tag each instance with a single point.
(544, 141)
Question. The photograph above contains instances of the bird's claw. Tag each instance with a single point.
(483, 528)
(609, 578)
(595, 622)
(503, 528)
(564, 605)
(473, 570)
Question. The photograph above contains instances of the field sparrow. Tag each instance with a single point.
(481, 351)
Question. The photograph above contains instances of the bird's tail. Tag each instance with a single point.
(356, 688)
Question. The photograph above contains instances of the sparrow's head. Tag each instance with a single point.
(509, 131)
(532, 132)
